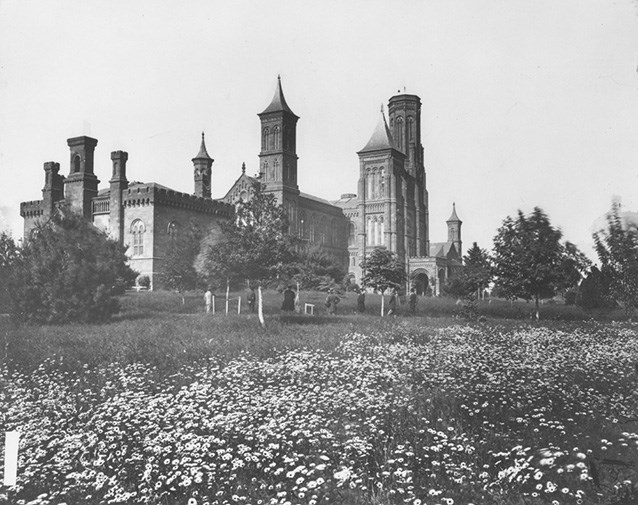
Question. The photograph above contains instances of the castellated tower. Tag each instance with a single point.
(203, 164)
(81, 184)
(53, 190)
(278, 156)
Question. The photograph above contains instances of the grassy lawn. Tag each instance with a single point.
(169, 405)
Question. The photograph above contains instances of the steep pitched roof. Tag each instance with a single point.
(381, 137)
(278, 103)
(454, 218)
(203, 153)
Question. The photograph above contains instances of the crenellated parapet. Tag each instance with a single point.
(150, 194)
(34, 208)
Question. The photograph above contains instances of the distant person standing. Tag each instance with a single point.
(251, 298)
(332, 300)
(361, 301)
(392, 304)
(288, 304)
(412, 300)
(208, 300)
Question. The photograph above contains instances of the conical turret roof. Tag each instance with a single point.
(202, 154)
(453, 217)
(278, 103)
(381, 138)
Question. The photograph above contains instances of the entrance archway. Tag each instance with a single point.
(420, 281)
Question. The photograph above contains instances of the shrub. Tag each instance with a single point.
(68, 271)
(144, 281)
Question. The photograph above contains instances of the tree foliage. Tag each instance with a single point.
(255, 245)
(382, 270)
(617, 249)
(314, 268)
(594, 291)
(9, 255)
(530, 262)
(477, 269)
(69, 271)
(178, 268)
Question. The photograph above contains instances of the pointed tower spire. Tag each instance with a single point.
(381, 137)
(454, 218)
(278, 102)
(203, 153)
(243, 168)
(454, 231)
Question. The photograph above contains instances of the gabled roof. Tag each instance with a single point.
(441, 249)
(381, 137)
(278, 103)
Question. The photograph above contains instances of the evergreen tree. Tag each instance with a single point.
(477, 269)
(9, 255)
(69, 271)
(617, 249)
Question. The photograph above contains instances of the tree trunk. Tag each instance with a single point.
(382, 304)
(260, 309)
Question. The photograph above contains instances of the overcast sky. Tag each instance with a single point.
(525, 103)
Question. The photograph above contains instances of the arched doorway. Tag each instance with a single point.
(420, 281)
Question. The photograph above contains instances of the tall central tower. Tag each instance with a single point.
(278, 156)
(405, 124)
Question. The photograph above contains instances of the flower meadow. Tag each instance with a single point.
(454, 415)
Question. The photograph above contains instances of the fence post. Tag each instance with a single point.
(11, 440)
(213, 305)
(239, 305)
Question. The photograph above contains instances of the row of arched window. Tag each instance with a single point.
(138, 229)
(399, 131)
(318, 230)
(271, 139)
(374, 230)
(375, 184)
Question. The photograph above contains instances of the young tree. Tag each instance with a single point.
(617, 249)
(69, 271)
(178, 269)
(314, 268)
(256, 245)
(530, 261)
(381, 270)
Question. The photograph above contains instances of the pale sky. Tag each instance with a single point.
(525, 103)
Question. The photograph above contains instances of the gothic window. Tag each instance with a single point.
(353, 261)
(398, 137)
(172, 229)
(264, 139)
(410, 128)
(302, 224)
(375, 238)
(369, 231)
(313, 226)
(381, 230)
(275, 171)
(352, 230)
(265, 170)
(76, 164)
(137, 232)
(243, 196)
(276, 137)
(381, 182)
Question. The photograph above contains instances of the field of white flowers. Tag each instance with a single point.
(453, 415)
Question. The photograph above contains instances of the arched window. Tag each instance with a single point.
(76, 163)
(243, 196)
(353, 261)
(172, 229)
(276, 137)
(137, 233)
(265, 170)
(410, 128)
(381, 230)
(381, 182)
(398, 136)
(352, 233)
(264, 139)
(323, 228)
(375, 237)
(275, 171)
(313, 227)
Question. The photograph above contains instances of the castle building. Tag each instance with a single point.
(389, 210)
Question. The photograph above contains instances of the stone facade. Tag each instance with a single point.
(390, 209)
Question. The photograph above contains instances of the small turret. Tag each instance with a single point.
(454, 231)
(203, 164)
(118, 184)
(81, 184)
